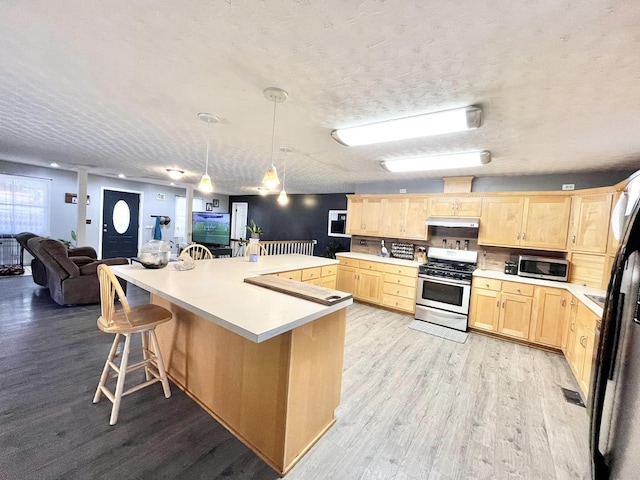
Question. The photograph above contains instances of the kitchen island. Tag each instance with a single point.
(266, 365)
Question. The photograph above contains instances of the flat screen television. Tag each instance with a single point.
(210, 228)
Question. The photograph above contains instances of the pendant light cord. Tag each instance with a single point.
(273, 130)
(206, 165)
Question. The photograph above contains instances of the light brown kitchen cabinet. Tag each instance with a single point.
(346, 278)
(515, 310)
(545, 223)
(539, 222)
(549, 312)
(590, 215)
(571, 312)
(484, 311)
(500, 221)
(455, 207)
(399, 289)
(404, 217)
(361, 278)
(364, 215)
(501, 307)
(580, 345)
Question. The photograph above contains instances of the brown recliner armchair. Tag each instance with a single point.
(69, 282)
(80, 256)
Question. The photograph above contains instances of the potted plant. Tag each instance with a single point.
(69, 244)
(254, 230)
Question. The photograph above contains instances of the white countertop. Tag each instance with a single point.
(376, 258)
(578, 290)
(215, 290)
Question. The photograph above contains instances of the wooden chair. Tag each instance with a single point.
(198, 252)
(255, 247)
(126, 321)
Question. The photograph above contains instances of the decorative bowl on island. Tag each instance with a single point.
(155, 254)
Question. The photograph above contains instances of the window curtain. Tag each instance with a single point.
(24, 205)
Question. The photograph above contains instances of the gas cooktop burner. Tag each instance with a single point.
(452, 264)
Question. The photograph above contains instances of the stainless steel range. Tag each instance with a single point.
(444, 287)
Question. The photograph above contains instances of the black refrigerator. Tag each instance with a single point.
(614, 397)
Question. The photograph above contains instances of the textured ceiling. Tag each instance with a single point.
(118, 85)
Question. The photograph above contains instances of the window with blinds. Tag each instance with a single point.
(24, 205)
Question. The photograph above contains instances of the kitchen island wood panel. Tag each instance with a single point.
(277, 396)
(266, 365)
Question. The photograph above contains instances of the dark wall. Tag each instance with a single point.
(304, 218)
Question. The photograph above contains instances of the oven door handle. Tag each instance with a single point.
(446, 281)
(444, 313)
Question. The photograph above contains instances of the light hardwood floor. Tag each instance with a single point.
(413, 407)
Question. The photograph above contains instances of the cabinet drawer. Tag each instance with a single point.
(401, 270)
(400, 279)
(352, 262)
(518, 288)
(400, 290)
(487, 284)
(374, 266)
(399, 303)
(292, 275)
(328, 270)
(310, 273)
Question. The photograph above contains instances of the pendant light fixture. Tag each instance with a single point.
(282, 198)
(275, 95)
(205, 185)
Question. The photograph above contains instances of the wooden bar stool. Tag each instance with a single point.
(126, 321)
(198, 252)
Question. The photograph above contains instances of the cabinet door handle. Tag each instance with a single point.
(571, 302)
(487, 285)
(573, 239)
(573, 325)
(585, 341)
(524, 235)
(563, 302)
(497, 303)
(518, 236)
(503, 304)
(518, 290)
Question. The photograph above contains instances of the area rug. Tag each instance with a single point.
(438, 331)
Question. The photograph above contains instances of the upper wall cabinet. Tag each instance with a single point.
(539, 222)
(364, 215)
(455, 207)
(404, 217)
(590, 223)
(501, 221)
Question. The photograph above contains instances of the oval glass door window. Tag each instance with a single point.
(121, 216)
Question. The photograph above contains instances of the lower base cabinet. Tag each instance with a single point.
(501, 307)
(379, 283)
(325, 276)
(580, 346)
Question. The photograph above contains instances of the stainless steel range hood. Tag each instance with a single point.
(453, 222)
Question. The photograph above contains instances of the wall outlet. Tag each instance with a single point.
(568, 186)
(363, 242)
(403, 190)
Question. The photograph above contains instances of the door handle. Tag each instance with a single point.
(573, 327)
(518, 290)
(503, 304)
(518, 236)
(524, 235)
(585, 341)
(497, 303)
(573, 239)
(563, 302)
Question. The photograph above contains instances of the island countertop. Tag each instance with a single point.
(216, 291)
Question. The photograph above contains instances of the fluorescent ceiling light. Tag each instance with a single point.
(425, 125)
(121, 175)
(439, 162)
(54, 165)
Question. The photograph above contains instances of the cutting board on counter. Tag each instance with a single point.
(306, 291)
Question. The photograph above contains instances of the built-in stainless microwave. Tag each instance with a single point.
(540, 267)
